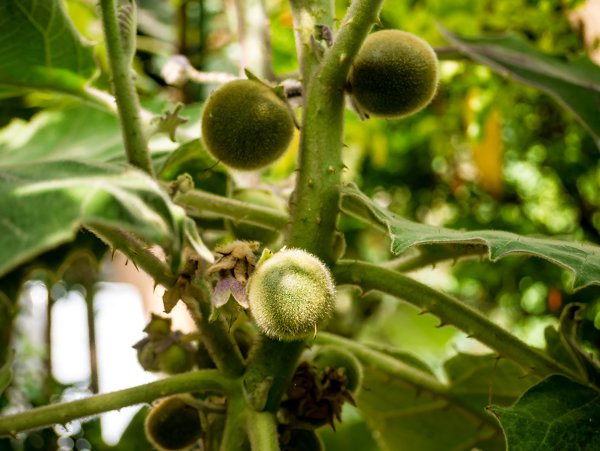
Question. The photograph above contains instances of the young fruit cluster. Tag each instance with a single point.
(290, 293)
(246, 125)
(394, 74)
(164, 350)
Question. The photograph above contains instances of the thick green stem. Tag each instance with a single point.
(204, 380)
(234, 434)
(315, 203)
(128, 104)
(198, 203)
(316, 199)
(450, 311)
(262, 431)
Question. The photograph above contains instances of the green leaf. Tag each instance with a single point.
(40, 48)
(44, 204)
(556, 414)
(583, 260)
(575, 84)
(75, 132)
(397, 412)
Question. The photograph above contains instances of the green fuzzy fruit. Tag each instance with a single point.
(245, 125)
(394, 74)
(173, 425)
(331, 356)
(290, 293)
(250, 232)
(175, 359)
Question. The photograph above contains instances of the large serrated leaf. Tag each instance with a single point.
(575, 84)
(583, 260)
(40, 48)
(45, 203)
(399, 413)
(556, 414)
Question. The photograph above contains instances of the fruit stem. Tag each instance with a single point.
(451, 311)
(62, 413)
(128, 105)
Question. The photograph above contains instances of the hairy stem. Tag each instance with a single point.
(430, 255)
(198, 203)
(128, 105)
(219, 343)
(262, 431)
(315, 203)
(203, 380)
(450, 311)
(234, 434)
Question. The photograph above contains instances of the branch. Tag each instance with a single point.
(430, 255)
(262, 431)
(127, 100)
(203, 380)
(197, 203)
(450, 311)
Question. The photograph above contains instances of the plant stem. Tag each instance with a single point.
(262, 431)
(197, 203)
(219, 343)
(450, 311)
(415, 377)
(137, 252)
(315, 203)
(203, 380)
(135, 141)
(234, 434)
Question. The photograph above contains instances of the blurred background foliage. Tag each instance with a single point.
(488, 153)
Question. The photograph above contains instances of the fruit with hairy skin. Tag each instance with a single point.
(394, 74)
(173, 425)
(250, 232)
(290, 293)
(331, 356)
(246, 125)
(175, 359)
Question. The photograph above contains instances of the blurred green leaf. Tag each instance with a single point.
(575, 84)
(397, 412)
(40, 48)
(45, 203)
(556, 414)
(583, 260)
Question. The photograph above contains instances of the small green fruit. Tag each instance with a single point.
(289, 293)
(173, 425)
(175, 359)
(331, 356)
(250, 232)
(245, 125)
(394, 74)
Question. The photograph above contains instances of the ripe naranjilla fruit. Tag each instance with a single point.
(394, 74)
(246, 125)
(173, 425)
(331, 356)
(290, 293)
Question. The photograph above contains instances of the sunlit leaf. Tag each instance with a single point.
(575, 84)
(45, 203)
(583, 260)
(555, 414)
(40, 48)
